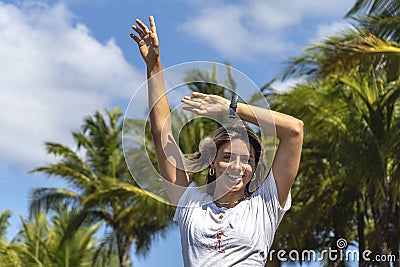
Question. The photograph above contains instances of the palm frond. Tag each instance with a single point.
(338, 54)
(384, 27)
(374, 7)
(105, 250)
(4, 223)
(72, 175)
(45, 199)
(17, 256)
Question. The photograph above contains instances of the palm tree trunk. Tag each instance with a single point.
(124, 246)
(391, 214)
(124, 261)
(121, 257)
(379, 227)
(274, 263)
(394, 222)
(360, 230)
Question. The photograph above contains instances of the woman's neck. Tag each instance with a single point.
(230, 199)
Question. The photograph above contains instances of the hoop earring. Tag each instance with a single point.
(211, 171)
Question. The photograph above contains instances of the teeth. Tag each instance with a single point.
(235, 176)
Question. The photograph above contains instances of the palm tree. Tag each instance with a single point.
(102, 189)
(11, 253)
(350, 106)
(48, 243)
(323, 194)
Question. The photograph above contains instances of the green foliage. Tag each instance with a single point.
(46, 240)
(101, 190)
(208, 83)
(337, 54)
(348, 183)
(4, 217)
(375, 7)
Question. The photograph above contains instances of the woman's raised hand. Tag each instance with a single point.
(206, 105)
(147, 40)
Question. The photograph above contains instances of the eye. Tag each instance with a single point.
(226, 157)
(245, 160)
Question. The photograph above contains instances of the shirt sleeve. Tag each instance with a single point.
(269, 192)
(192, 197)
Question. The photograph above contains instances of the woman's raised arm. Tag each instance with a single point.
(289, 131)
(168, 156)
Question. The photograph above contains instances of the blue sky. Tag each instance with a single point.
(62, 60)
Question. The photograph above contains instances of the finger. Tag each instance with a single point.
(197, 94)
(192, 102)
(139, 31)
(199, 111)
(134, 37)
(198, 100)
(193, 99)
(155, 39)
(143, 26)
(191, 109)
(188, 108)
(153, 29)
(186, 98)
(152, 24)
(195, 110)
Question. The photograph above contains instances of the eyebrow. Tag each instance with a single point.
(229, 153)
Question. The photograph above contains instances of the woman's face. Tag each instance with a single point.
(234, 165)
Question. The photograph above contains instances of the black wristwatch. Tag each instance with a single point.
(233, 106)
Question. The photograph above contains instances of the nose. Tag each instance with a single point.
(236, 164)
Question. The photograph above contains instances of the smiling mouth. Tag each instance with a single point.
(236, 178)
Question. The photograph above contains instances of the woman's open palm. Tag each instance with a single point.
(147, 40)
(206, 105)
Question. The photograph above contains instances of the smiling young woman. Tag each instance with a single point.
(229, 224)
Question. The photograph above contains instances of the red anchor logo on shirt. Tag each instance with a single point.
(218, 246)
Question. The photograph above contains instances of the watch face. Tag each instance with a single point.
(234, 99)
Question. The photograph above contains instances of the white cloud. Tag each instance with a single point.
(52, 74)
(325, 30)
(224, 29)
(252, 27)
(286, 85)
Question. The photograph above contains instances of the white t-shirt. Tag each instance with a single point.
(239, 236)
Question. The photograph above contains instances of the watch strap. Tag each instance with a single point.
(233, 106)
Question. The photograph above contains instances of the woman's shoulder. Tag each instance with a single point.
(194, 196)
(263, 185)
